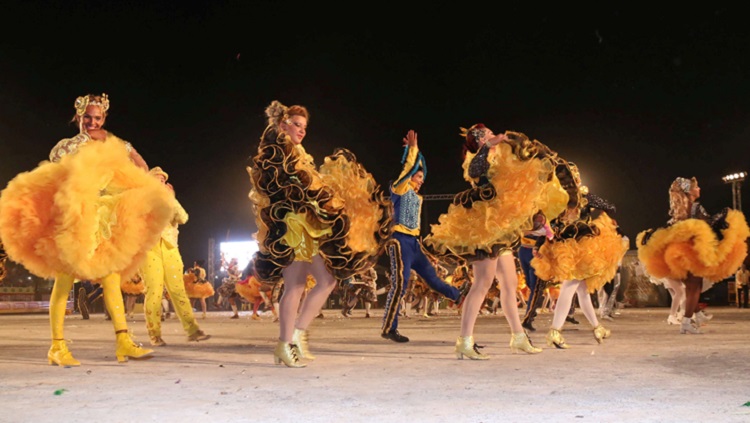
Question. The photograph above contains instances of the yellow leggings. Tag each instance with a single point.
(164, 267)
(59, 298)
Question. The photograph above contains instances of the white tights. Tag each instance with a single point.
(295, 282)
(485, 271)
(565, 300)
(677, 290)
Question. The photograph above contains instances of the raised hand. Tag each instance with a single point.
(410, 139)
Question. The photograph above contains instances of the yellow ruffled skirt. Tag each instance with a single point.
(92, 214)
(691, 245)
(196, 289)
(486, 227)
(132, 286)
(591, 258)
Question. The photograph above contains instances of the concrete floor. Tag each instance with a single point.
(646, 372)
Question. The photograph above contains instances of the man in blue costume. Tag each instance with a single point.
(405, 247)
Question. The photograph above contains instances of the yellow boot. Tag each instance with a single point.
(520, 342)
(126, 348)
(299, 339)
(465, 346)
(600, 332)
(60, 355)
(286, 354)
(554, 337)
(58, 352)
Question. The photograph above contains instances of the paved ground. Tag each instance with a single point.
(646, 372)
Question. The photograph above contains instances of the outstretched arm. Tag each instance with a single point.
(410, 158)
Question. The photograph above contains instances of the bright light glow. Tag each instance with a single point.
(241, 250)
(735, 177)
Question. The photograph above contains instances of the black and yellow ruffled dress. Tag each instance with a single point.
(338, 211)
(584, 247)
(133, 286)
(196, 284)
(712, 249)
(491, 216)
(88, 215)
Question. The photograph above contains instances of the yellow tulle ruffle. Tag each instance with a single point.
(522, 187)
(592, 258)
(356, 188)
(250, 289)
(195, 289)
(132, 286)
(691, 245)
(91, 214)
(302, 235)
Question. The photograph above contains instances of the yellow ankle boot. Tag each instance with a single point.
(126, 348)
(465, 346)
(521, 342)
(286, 354)
(554, 337)
(600, 332)
(299, 338)
(60, 355)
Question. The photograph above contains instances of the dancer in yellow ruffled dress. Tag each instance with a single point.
(90, 213)
(330, 223)
(197, 286)
(512, 178)
(132, 289)
(583, 254)
(693, 246)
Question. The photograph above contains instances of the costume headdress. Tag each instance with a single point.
(474, 132)
(684, 184)
(84, 101)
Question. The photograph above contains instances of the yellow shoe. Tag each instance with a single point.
(299, 339)
(284, 353)
(198, 335)
(126, 348)
(255, 317)
(60, 355)
(600, 332)
(554, 337)
(465, 346)
(157, 341)
(520, 342)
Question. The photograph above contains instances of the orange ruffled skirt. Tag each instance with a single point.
(92, 214)
(593, 259)
(195, 289)
(691, 245)
(523, 187)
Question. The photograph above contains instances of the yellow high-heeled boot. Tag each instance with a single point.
(285, 353)
(58, 352)
(520, 342)
(465, 346)
(60, 355)
(600, 332)
(299, 339)
(554, 337)
(127, 348)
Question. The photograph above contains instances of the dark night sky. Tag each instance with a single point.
(634, 97)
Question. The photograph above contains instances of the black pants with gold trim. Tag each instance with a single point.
(404, 254)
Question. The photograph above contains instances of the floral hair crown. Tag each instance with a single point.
(476, 131)
(84, 101)
(684, 183)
